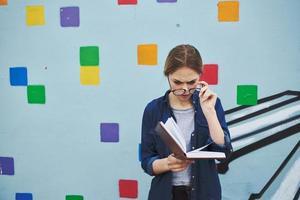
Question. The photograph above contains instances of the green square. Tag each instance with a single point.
(74, 197)
(89, 56)
(36, 94)
(247, 95)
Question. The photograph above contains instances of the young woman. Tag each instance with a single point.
(200, 116)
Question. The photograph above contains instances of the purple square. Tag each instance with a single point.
(166, 1)
(7, 166)
(109, 132)
(69, 16)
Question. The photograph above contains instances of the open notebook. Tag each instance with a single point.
(173, 138)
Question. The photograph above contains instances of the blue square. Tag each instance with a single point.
(109, 132)
(18, 76)
(23, 196)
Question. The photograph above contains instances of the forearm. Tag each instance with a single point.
(215, 129)
(160, 166)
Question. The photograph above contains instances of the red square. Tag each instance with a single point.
(210, 74)
(128, 188)
(127, 2)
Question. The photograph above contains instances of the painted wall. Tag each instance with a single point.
(83, 137)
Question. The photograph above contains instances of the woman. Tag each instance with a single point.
(200, 116)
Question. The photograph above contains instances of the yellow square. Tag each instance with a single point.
(89, 75)
(147, 54)
(35, 15)
(228, 11)
(3, 2)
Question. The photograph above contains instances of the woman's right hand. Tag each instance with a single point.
(177, 165)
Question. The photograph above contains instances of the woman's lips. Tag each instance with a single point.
(185, 96)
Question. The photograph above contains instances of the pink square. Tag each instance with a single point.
(128, 188)
(127, 2)
(210, 74)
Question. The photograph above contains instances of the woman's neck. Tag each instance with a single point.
(176, 103)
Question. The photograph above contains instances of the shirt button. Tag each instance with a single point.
(193, 147)
(193, 134)
(193, 176)
(193, 189)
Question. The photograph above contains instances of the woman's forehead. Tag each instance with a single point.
(184, 74)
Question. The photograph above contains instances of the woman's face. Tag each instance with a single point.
(183, 78)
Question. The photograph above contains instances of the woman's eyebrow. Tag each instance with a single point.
(176, 80)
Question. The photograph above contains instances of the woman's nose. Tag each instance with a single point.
(185, 87)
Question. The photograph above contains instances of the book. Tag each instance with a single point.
(172, 136)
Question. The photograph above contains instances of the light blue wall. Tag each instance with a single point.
(56, 146)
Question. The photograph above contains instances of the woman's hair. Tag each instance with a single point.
(184, 55)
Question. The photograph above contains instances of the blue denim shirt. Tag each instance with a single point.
(204, 177)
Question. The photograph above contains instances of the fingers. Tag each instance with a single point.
(205, 93)
(203, 83)
(177, 165)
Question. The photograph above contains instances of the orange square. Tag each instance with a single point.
(147, 54)
(3, 2)
(228, 11)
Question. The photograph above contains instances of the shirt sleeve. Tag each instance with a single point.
(148, 150)
(226, 147)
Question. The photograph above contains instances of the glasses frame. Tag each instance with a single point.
(183, 91)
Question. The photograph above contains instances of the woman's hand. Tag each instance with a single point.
(207, 99)
(177, 165)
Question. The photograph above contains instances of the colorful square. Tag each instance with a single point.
(228, 11)
(3, 2)
(147, 54)
(24, 196)
(247, 95)
(74, 197)
(109, 132)
(35, 15)
(127, 2)
(36, 94)
(18, 76)
(89, 56)
(128, 188)
(69, 16)
(210, 74)
(7, 166)
(89, 75)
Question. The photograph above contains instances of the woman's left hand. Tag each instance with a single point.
(207, 99)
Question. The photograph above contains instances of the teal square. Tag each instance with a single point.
(89, 56)
(247, 95)
(36, 94)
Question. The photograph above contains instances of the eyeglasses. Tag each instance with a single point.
(179, 92)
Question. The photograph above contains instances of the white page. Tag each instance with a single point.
(205, 154)
(175, 131)
(199, 149)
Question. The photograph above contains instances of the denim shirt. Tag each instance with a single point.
(204, 177)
